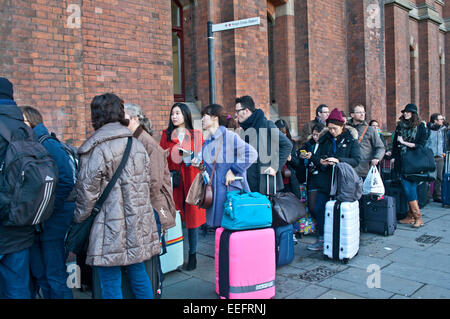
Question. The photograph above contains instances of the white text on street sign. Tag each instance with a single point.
(235, 24)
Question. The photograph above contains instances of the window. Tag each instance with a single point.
(177, 51)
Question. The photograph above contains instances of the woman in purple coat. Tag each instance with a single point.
(232, 155)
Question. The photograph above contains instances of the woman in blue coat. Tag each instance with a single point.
(47, 255)
(233, 156)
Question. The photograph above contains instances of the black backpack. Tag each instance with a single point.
(28, 178)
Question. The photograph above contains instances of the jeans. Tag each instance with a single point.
(111, 281)
(48, 269)
(15, 275)
(193, 239)
(319, 211)
(410, 189)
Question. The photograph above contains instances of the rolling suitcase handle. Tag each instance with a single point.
(274, 184)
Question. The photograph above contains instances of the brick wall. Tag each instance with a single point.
(58, 64)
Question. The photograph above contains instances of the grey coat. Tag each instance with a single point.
(371, 147)
(124, 232)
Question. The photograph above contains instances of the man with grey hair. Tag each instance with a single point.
(370, 143)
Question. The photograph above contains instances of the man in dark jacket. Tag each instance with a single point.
(322, 113)
(14, 241)
(273, 146)
(47, 255)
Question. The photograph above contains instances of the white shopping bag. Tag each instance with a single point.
(373, 184)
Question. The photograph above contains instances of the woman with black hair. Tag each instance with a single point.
(183, 144)
(288, 172)
(124, 233)
(409, 133)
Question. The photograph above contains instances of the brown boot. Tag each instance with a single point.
(417, 215)
(409, 219)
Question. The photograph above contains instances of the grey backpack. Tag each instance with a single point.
(28, 178)
(346, 185)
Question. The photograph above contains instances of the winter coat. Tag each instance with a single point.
(161, 195)
(347, 150)
(234, 155)
(371, 147)
(124, 232)
(437, 140)
(56, 226)
(12, 239)
(259, 132)
(293, 184)
(420, 138)
(307, 130)
(192, 215)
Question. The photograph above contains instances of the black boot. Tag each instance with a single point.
(192, 262)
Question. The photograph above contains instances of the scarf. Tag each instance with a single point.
(255, 120)
(407, 133)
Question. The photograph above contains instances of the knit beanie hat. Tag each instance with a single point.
(6, 89)
(336, 118)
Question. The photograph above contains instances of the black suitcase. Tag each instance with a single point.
(395, 189)
(423, 193)
(445, 187)
(378, 215)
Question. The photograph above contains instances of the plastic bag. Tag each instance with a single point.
(373, 185)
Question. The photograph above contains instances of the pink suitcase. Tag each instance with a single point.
(251, 264)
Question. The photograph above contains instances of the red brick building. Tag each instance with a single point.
(382, 53)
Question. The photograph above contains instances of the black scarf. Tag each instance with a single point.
(256, 120)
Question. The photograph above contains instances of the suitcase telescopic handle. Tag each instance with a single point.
(274, 184)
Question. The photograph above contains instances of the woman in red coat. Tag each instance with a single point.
(181, 135)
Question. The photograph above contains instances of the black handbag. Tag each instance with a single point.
(417, 160)
(421, 177)
(77, 236)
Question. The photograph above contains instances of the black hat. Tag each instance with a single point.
(6, 89)
(410, 108)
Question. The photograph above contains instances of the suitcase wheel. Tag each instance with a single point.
(345, 260)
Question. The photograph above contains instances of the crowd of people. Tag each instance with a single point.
(157, 177)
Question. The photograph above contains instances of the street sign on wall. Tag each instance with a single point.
(235, 24)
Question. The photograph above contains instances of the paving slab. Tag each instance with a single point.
(389, 283)
(358, 289)
(192, 288)
(286, 285)
(422, 259)
(308, 292)
(336, 294)
(418, 274)
(432, 292)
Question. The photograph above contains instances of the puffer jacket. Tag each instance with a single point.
(124, 232)
(161, 194)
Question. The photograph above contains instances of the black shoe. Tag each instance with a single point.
(192, 262)
(437, 200)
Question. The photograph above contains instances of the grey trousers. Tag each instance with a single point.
(438, 182)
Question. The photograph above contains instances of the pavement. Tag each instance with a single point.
(411, 264)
